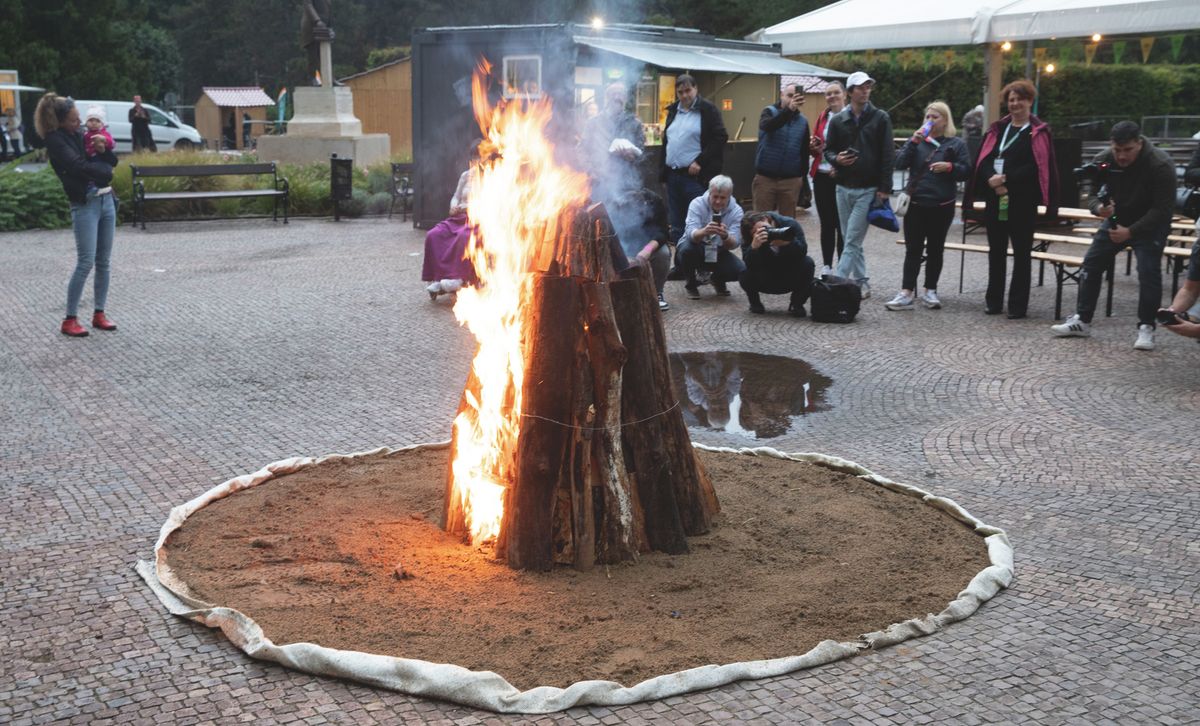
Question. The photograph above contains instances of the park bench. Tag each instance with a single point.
(402, 189)
(278, 190)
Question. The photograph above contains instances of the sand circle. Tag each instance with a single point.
(347, 554)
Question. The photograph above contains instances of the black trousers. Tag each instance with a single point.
(925, 231)
(1019, 231)
(831, 230)
(788, 271)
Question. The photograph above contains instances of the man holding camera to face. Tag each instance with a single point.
(711, 233)
(777, 261)
(1134, 193)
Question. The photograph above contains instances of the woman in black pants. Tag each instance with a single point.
(937, 160)
(822, 175)
(1015, 173)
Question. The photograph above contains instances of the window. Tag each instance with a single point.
(158, 118)
(523, 76)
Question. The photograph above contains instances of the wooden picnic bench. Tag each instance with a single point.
(278, 190)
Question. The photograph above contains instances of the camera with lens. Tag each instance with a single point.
(1187, 202)
(1099, 175)
(781, 233)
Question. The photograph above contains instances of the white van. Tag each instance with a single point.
(166, 128)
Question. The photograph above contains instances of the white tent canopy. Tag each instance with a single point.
(872, 24)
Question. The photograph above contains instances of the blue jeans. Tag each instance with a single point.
(1101, 255)
(853, 205)
(682, 188)
(95, 222)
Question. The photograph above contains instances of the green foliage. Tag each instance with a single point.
(378, 203)
(379, 56)
(32, 200)
(379, 179)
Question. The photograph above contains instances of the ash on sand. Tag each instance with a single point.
(347, 554)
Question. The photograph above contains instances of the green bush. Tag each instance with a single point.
(32, 201)
(379, 203)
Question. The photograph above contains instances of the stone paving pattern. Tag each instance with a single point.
(243, 342)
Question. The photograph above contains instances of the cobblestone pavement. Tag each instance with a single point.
(245, 342)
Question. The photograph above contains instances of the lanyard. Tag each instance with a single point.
(1005, 143)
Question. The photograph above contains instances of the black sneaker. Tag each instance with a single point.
(693, 291)
(720, 289)
(757, 308)
(797, 311)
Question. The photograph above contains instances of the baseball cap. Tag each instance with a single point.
(858, 78)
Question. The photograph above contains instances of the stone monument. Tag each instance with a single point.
(324, 122)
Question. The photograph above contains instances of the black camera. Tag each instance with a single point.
(1187, 202)
(1099, 175)
(717, 217)
(784, 233)
(1170, 317)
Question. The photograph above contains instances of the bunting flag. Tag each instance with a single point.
(1039, 55)
(1089, 52)
(1176, 46)
(1147, 44)
(928, 57)
(892, 55)
(870, 56)
(1066, 54)
(950, 56)
(1118, 50)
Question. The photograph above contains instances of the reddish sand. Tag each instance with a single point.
(800, 554)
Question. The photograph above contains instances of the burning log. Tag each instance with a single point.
(603, 467)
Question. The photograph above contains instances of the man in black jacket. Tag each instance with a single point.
(777, 261)
(861, 150)
(781, 161)
(1140, 180)
(693, 150)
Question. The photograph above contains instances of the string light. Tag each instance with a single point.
(1006, 46)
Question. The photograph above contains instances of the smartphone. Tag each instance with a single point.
(1170, 317)
(852, 151)
(717, 217)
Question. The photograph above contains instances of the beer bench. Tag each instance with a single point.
(1066, 269)
(278, 190)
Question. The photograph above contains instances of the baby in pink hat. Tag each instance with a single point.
(94, 121)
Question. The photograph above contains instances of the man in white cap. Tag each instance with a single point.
(859, 146)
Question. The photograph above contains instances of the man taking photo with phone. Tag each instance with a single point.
(1140, 184)
(859, 146)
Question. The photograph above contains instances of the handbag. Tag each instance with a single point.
(806, 196)
(881, 215)
(834, 300)
(904, 198)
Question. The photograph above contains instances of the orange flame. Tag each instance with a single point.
(515, 191)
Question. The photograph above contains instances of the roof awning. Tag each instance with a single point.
(251, 97)
(19, 87)
(701, 58)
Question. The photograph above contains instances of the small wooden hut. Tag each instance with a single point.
(383, 102)
(220, 111)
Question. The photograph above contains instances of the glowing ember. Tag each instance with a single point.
(517, 190)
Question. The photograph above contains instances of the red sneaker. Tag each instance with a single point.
(71, 327)
(101, 322)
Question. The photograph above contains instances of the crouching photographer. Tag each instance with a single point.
(1175, 318)
(1134, 194)
(777, 261)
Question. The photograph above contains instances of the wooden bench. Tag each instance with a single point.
(278, 190)
(1066, 269)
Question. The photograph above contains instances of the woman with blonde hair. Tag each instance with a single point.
(937, 160)
(86, 182)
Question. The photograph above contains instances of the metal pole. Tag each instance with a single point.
(1028, 58)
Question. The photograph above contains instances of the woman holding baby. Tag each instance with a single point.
(86, 171)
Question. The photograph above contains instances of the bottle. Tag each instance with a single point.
(926, 129)
(1002, 208)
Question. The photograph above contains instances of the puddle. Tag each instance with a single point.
(757, 396)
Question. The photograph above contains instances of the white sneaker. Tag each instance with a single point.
(930, 300)
(1072, 327)
(864, 289)
(825, 270)
(434, 289)
(902, 301)
(663, 304)
(451, 285)
(1145, 339)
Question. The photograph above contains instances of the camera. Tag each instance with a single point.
(717, 217)
(777, 233)
(1099, 176)
(1170, 317)
(1187, 202)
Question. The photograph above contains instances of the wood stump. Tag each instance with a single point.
(603, 468)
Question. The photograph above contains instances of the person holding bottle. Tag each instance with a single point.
(937, 160)
(1015, 173)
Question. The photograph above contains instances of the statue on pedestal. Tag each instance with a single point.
(315, 29)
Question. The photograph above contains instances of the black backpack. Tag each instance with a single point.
(835, 300)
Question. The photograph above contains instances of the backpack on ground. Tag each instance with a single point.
(835, 300)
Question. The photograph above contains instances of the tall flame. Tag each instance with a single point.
(515, 191)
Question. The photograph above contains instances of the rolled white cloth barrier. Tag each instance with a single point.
(487, 690)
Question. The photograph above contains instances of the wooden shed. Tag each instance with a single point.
(383, 102)
(221, 115)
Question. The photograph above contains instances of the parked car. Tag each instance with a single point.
(166, 128)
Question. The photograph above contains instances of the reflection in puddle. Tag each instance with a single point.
(751, 394)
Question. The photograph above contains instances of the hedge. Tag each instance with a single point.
(33, 200)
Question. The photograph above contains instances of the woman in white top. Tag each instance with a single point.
(446, 267)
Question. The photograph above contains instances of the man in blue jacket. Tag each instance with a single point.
(782, 157)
